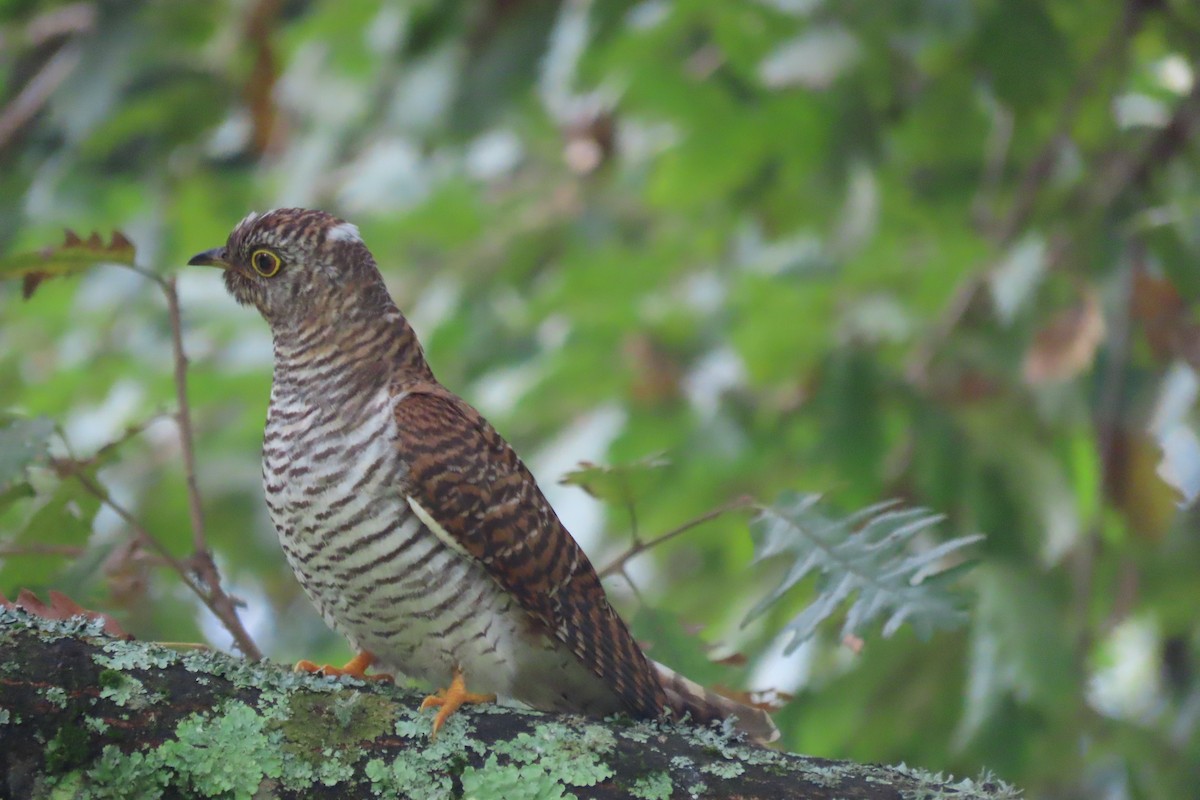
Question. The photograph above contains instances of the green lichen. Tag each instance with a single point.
(126, 690)
(333, 769)
(5, 716)
(50, 629)
(425, 769)
(315, 721)
(697, 789)
(66, 787)
(67, 750)
(96, 724)
(936, 786)
(510, 781)
(409, 775)
(656, 786)
(724, 769)
(117, 775)
(56, 696)
(638, 735)
(682, 762)
(123, 656)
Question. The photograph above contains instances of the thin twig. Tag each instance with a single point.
(200, 562)
(201, 558)
(212, 597)
(637, 548)
(183, 417)
(65, 550)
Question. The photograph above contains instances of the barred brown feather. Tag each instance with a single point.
(409, 521)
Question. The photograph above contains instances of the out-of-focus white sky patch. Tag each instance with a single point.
(715, 373)
(387, 30)
(205, 299)
(1137, 110)
(391, 174)
(204, 289)
(424, 91)
(253, 351)
(876, 317)
(427, 309)
(108, 287)
(704, 292)
(1175, 74)
(1013, 280)
(783, 672)
(311, 87)
(107, 525)
(814, 59)
(256, 616)
(494, 154)
(639, 141)
(231, 136)
(797, 8)
(1180, 465)
(1170, 425)
(92, 427)
(497, 392)
(568, 39)
(797, 252)
(587, 439)
(1127, 685)
(553, 332)
(647, 15)
(859, 216)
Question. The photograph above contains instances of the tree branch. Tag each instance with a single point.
(638, 547)
(84, 713)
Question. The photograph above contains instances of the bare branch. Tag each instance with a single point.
(212, 599)
(639, 547)
(201, 559)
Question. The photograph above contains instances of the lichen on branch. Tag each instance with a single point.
(86, 715)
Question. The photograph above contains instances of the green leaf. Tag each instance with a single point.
(867, 556)
(621, 483)
(72, 256)
(1017, 649)
(23, 443)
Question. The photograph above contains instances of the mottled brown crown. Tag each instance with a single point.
(325, 267)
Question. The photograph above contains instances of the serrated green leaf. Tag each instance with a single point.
(74, 255)
(867, 556)
(620, 483)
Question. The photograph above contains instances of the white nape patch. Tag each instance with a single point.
(248, 219)
(437, 529)
(345, 232)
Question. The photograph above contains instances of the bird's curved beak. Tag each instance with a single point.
(210, 258)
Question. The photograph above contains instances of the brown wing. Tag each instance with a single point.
(466, 477)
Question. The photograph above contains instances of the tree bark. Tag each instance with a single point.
(83, 714)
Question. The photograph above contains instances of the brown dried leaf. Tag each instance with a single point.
(853, 643)
(1067, 345)
(732, 660)
(62, 607)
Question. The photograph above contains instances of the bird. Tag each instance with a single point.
(411, 524)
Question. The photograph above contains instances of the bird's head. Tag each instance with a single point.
(289, 262)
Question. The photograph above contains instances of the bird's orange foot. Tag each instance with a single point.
(355, 668)
(451, 699)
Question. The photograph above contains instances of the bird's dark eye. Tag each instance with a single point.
(265, 263)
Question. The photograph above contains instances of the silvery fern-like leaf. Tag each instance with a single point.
(869, 558)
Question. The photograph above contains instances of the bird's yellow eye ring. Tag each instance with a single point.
(265, 263)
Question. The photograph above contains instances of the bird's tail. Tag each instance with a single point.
(704, 706)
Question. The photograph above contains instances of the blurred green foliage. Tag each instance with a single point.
(937, 250)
